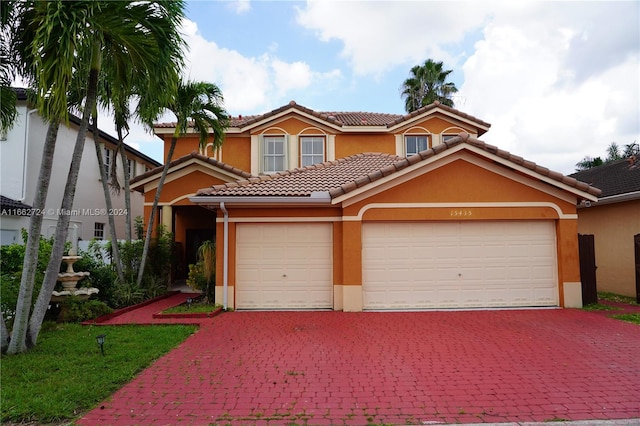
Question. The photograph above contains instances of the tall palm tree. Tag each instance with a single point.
(8, 111)
(139, 35)
(427, 84)
(197, 105)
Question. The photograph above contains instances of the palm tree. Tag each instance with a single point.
(138, 35)
(8, 112)
(427, 84)
(196, 105)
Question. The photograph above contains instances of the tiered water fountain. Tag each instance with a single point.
(70, 278)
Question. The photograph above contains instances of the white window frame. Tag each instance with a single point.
(312, 158)
(266, 157)
(131, 164)
(98, 230)
(106, 159)
(415, 149)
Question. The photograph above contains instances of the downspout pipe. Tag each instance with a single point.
(225, 255)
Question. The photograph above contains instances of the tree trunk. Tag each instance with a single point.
(127, 190)
(156, 200)
(115, 250)
(4, 334)
(51, 275)
(27, 281)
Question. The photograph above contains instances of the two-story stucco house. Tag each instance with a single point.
(367, 211)
(20, 157)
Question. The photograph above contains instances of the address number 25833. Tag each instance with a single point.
(461, 213)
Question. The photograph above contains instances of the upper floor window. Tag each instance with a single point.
(132, 168)
(416, 143)
(108, 154)
(311, 150)
(273, 154)
(447, 137)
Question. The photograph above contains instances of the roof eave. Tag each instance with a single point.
(315, 199)
(612, 199)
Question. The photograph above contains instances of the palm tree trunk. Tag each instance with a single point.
(4, 334)
(156, 200)
(127, 190)
(51, 274)
(27, 281)
(115, 251)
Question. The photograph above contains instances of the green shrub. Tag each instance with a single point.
(127, 294)
(11, 261)
(84, 310)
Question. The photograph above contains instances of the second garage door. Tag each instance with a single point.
(459, 265)
(284, 266)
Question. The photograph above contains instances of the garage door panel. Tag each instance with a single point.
(459, 264)
(284, 266)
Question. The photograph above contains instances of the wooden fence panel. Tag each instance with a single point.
(586, 245)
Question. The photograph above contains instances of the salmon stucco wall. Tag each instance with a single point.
(352, 144)
(236, 152)
(613, 226)
(184, 146)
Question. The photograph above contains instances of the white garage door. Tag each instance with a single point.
(459, 265)
(284, 266)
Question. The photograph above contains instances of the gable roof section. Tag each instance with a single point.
(337, 178)
(347, 119)
(139, 181)
(615, 179)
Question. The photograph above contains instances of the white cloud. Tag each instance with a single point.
(249, 84)
(240, 6)
(524, 80)
(378, 35)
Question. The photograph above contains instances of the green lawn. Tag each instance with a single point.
(195, 308)
(66, 375)
(633, 318)
(612, 297)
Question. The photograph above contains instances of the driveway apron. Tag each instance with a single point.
(392, 368)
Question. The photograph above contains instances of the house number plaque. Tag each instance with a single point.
(460, 213)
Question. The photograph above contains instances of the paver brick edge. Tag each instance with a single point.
(107, 317)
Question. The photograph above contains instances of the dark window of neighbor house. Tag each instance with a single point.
(98, 231)
(311, 150)
(274, 154)
(416, 143)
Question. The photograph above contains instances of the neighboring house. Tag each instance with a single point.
(613, 221)
(20, 157)
(376, 211)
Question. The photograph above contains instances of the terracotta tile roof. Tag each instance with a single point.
(343, 176)
(325, 177)
(158, 170)
(13, 207)
(344, 118)
(616, 178)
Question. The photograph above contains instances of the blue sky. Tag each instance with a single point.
(557, 80)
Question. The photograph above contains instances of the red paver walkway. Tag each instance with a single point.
(394, 368)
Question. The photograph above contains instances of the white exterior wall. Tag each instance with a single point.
(20, 164)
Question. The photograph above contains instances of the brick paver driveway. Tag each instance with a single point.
(398, 368)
